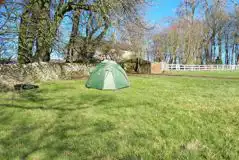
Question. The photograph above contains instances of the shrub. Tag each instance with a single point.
(218, 61)
(6, 61)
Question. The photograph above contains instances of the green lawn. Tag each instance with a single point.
(157, 118)
(216, 74)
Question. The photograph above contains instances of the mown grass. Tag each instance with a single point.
(216, 74)
(156, 118)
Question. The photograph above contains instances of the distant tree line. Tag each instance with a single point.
(204, 32)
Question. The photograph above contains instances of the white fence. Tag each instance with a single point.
(180, 67)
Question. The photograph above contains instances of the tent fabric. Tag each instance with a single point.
(108, 75)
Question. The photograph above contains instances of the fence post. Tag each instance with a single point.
(164, 66)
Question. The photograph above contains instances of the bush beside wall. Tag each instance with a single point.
(130, 65)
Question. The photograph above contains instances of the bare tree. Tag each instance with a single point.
(43, 33)
(202, 31)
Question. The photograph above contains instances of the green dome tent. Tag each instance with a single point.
(107, 75)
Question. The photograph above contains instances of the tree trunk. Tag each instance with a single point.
(213, 45)
(220, 46)
(237, 60)
(148, 55)
(227, 50)
(233, 54)
(45, 34)
(137, 66)
(236, 54)
(207, 50)
(214, 50)
(74, 33)
(26, 39)
(227, 55)
(35, 26)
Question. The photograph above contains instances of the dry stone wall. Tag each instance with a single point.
(14, 73)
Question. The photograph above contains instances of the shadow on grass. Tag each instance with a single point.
(66, 133)
(32, 96)
(55, 139)
(66, 104)
(41, 107)
(45, 99)
(104, 126)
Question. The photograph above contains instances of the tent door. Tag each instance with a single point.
(109, 82)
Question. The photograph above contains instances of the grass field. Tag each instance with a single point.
(156, 118)
(216, 74)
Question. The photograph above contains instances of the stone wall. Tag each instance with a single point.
(35, 72)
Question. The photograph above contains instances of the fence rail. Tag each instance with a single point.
(180, 67)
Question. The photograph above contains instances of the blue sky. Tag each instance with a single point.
(160, 9)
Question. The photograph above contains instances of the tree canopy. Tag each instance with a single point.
(203, 32)
(39, 22)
